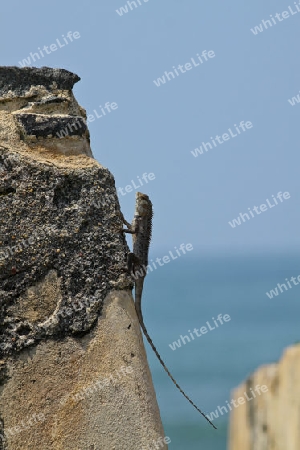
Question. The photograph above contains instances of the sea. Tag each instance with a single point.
(193, 289)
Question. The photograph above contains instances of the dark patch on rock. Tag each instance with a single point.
(67, 191)
(5, 190)
(19, 80)
(40, 125)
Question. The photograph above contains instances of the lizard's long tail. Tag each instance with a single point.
(140, 316)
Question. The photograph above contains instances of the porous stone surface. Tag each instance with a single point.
(271, 420)
(67, 315)
(61, 227)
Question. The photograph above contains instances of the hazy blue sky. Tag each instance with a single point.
(155, 128)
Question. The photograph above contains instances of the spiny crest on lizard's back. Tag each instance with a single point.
(144, 209)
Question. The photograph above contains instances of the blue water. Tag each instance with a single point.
(188, 292)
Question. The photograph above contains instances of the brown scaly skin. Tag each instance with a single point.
(141, 230)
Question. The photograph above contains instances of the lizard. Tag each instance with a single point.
(141, 230)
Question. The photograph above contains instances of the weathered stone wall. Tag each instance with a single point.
(271, 420)
(73, 369)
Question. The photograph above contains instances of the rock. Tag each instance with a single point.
(39, 104)
(270, 421)
(16, 82)
(74, 372)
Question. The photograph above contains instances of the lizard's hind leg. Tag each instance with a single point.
(132, 262)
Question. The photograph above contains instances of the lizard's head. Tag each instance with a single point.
(143, 205)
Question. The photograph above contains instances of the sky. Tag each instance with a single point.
(247, 77)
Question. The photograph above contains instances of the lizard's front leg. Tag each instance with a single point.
(132, 229)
